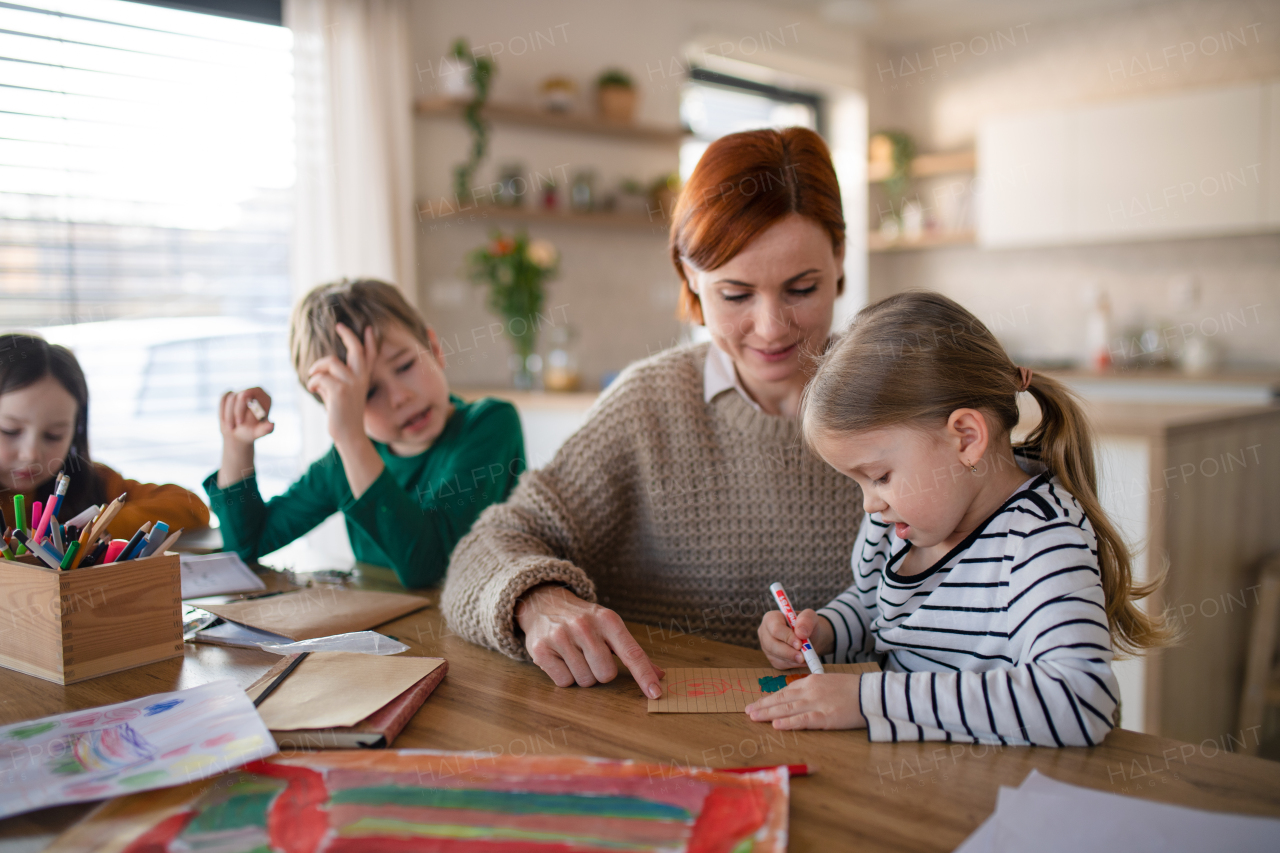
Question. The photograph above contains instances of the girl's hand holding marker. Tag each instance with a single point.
(820, 701)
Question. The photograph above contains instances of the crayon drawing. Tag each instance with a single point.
(156, 741)
(707, 690)
(118, 747)
(410, 800)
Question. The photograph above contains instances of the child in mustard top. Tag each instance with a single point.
(44, 430)
(411, 467)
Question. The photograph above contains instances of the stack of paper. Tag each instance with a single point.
(1053, 817)
(216, 574)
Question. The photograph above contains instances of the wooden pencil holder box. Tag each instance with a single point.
(70, 626)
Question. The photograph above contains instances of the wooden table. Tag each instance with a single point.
(891, 797)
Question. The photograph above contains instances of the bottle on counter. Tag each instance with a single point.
(1097, 331)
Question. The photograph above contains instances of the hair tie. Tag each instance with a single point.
(1024, 374)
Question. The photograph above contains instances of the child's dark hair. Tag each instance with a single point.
(913, 359)
(24, 361)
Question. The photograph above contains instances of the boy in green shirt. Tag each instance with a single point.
(411, 467)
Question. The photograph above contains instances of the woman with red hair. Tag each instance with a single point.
(688, 491)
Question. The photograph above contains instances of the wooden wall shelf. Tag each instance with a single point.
(876, 243)
(931, 165)
(619, 221)
(566, 122)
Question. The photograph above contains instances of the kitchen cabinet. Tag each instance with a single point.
(1191, 164)
(1193, 491)
(1024, 197)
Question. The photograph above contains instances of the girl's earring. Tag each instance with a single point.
(973, 468)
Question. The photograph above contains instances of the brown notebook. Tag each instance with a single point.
(335, 689)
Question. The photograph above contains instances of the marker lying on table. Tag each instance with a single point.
(793, 769)
(784, 604)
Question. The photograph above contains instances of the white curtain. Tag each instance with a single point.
(353, 195)
(354, 102)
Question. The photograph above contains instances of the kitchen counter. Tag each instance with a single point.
(1194, 490)
(1166, 385)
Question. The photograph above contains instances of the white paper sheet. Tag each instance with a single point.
(234, 634)
(154, 742)
(1049, 816)
(217, 574)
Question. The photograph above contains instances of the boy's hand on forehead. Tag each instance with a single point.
(343, 386)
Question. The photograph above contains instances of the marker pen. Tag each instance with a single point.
(60, 493)
(784, 604)
(50, 559)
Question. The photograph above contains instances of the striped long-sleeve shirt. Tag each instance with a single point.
(1003, 640)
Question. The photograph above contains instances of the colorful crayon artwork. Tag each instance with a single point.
(157, 741)
(713, 690)
(359, 801)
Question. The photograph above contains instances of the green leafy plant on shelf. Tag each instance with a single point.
(482, 71)
(515, 270)
(615, 77)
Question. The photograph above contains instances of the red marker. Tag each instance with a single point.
(793, 769)
(784, 604)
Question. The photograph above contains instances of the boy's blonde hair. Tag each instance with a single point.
(359, 304)
(914, 358)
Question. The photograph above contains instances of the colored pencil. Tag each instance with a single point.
(105, 517)
(169, 541)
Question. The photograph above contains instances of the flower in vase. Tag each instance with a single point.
(502, 246)
(543, 254)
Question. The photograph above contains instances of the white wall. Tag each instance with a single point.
(1109, 57)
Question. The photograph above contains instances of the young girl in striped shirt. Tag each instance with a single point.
(987, 581)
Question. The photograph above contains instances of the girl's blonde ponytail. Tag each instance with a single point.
(1063, 442)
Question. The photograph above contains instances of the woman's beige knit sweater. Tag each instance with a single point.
(672, 511)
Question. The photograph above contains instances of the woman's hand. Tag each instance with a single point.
(814, 702)
(343, 387)
(782, 646)
(574, 641)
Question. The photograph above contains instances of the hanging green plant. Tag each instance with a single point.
(482, 70)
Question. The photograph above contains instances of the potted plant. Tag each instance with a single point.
(616, 96)
(516, 270)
